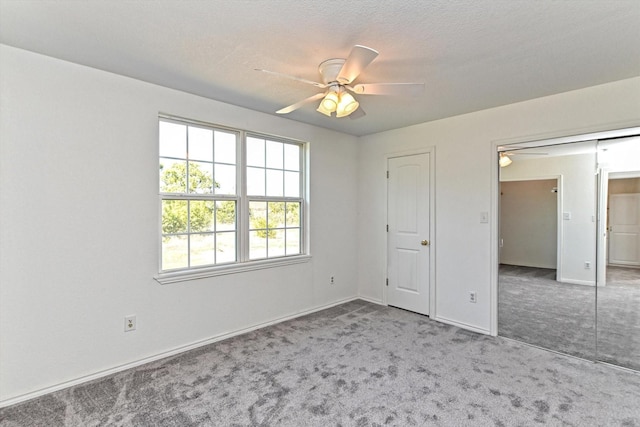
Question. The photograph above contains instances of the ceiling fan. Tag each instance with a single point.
(337, 75)
(505, 161)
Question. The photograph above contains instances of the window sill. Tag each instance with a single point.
(183, 276)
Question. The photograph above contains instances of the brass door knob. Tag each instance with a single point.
(425, 243)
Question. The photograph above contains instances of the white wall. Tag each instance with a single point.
(577, 198)
(529, 223)
(79, 226)
(466, 185)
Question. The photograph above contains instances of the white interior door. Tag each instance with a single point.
(624, 229)
(408, 198)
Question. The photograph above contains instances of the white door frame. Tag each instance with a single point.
(602, 245)
(603, 233)
(432, 223)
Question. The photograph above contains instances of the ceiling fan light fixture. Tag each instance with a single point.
(504, 160)
(347, 105)
(323, 110)
(330, 101)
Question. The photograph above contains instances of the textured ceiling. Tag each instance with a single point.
(471, 55)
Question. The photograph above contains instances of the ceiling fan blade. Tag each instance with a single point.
(275, 73)
(357, 114)
(299, 104)
(401, 89)
(358, 59)
(525, 154)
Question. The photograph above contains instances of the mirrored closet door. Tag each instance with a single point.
(569, 273)
(547, 272)
(618, 298)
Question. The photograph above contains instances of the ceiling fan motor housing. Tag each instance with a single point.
(330, 69)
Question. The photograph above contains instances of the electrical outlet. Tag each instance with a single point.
(130, 323)
(587, 265)
(473, 297)
(332, 280)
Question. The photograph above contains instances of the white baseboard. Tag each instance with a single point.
(440, 319)
(168, 353)
(578, 282)
(371, 300)
(462, 325)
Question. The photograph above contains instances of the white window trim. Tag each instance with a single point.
(196, 273)
(240, 267)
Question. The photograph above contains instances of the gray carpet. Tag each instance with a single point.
(619, 318)
(534, 308)
(357, 364)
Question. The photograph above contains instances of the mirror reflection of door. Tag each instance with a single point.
(624, 222)
(546, 292)
(618, 303)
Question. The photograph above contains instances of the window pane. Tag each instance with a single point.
(255, 182)
(173, 140)
(255, 152)
(275, 183)
(293, 241)
(226, 247)
(275, 155)
(292, 157)
(276, 243)
(173, 176)
(174, 252)
(226, 215)
(202, 249)
(292, 184)
(293, 215)
(201, 215)
(225, 146)
(225, 179)
(257, 244)
(174, 216)
(200, 178)
(257, 215)
(200, 144)
(276, 215)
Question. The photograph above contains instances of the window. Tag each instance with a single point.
(273, 190)
(227, 197)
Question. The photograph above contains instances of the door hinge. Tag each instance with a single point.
(387, 228)
(387, 282)
(387, 174)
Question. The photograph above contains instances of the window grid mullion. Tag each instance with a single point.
(242, 215)
(267, 231)
(215, 246)
(188, 166)
(283, 181)
(196, 196)
(188, 230)
(215, 232)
